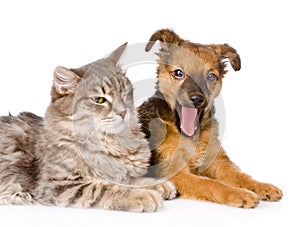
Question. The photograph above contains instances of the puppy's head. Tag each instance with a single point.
(190, 75)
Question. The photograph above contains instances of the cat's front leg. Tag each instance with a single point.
(166, 188)
(101, 194)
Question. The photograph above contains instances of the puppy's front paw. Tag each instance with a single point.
(243, 198)
(167, 190)
(268, 192)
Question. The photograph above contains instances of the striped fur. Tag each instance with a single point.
(82, 154)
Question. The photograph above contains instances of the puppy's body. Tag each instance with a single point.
(182, 130)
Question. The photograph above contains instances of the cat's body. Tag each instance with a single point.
(88, 151)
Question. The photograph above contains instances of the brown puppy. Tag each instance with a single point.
(182, 130)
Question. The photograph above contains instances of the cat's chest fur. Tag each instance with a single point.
(118, 158)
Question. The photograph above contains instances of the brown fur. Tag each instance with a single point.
(197, 164)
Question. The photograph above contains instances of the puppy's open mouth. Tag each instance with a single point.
(190, 119)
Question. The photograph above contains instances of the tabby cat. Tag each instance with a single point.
(87, 152)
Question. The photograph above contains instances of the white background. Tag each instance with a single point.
(261, 101)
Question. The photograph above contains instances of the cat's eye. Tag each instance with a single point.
(99, 100)
(178, 73)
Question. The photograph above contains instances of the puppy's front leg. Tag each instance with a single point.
(224, 170)
(191, 186)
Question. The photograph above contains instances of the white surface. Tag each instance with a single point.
(261, 101)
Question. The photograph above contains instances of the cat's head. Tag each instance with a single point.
(95, 98)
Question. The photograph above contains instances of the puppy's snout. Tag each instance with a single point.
(197, 100)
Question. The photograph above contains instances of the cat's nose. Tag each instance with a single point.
(122, 114)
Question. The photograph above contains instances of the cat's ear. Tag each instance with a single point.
(65, 81)
(117, 53)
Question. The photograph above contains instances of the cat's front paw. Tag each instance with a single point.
(167, 190)
(144, 200)
(268, 192)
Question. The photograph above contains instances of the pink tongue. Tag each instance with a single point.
(188, 120)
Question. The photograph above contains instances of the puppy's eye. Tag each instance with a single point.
(211, 77)
(99, 100)
(178, 73)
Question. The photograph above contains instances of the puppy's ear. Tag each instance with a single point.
(226, 51)
(163, 35)
(65, 81)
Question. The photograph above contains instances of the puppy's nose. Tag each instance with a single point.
(197, 100)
